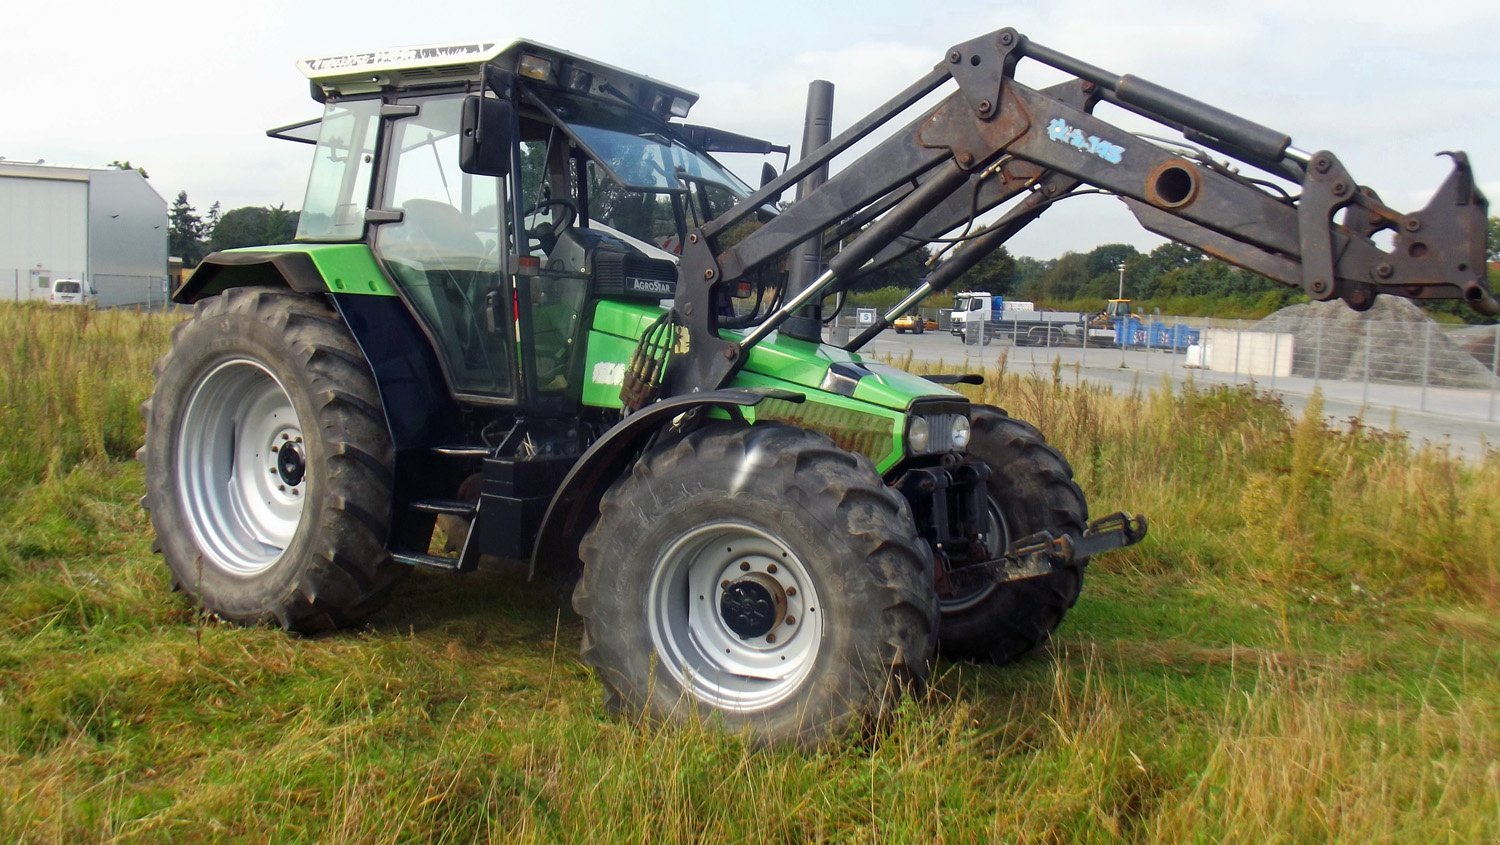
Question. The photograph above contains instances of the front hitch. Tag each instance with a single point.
(1043, 553)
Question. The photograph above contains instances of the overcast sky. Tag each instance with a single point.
(187, 89)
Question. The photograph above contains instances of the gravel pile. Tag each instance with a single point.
(1333, 341)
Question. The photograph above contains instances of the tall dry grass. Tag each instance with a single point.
(71, 381)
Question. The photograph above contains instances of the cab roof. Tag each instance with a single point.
(436, 64)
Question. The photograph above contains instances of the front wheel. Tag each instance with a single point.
(1030, 489)
(759, 575)
(268, 464)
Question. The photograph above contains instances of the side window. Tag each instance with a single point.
(339, 188)
(446, 251)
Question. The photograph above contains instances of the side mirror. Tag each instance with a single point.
(767, 173)
(485, 142)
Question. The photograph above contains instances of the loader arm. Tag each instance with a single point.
(993, 139)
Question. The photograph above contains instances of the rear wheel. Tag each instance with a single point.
(268, 464)
(759, 575)
(1031, 489)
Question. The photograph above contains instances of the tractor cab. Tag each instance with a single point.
(502, 221)
(1117, 309)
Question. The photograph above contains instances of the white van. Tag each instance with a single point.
(70, 292)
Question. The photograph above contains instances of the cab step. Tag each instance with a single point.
(446, 507)
(461, 451)
(436, 563)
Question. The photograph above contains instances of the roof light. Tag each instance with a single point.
(668, 104)
(534, 67)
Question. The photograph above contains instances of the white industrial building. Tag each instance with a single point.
(104, 226)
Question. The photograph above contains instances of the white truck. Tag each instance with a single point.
(1021, 321)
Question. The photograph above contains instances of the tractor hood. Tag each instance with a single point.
(788, 362)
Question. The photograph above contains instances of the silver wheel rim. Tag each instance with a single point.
(241, 468)
(699, 646)
(996, 541)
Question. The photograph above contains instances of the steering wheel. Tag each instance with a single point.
(561, 220)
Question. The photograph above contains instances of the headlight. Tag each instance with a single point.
(918, 433)
(960, 432)
(933, 433)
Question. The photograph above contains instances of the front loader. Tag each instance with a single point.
(526, 300)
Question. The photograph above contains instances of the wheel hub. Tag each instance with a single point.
(290, 463)
(753, 606)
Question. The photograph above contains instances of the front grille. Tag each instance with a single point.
(941, 428)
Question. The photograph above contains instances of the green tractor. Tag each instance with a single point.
(526, 300)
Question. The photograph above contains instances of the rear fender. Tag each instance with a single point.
(221, 271)
(576, 502)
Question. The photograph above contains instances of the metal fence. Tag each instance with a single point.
(1414, 365)
(23, 284)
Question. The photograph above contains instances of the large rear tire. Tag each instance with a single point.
(1031, 489)
(758, 575)
(269, 466)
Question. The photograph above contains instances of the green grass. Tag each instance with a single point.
(1305, 649)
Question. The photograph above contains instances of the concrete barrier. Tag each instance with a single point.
(1248, 353)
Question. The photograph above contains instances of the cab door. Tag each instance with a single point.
(446, 251)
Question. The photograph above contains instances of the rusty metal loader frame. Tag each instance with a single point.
(994, 139)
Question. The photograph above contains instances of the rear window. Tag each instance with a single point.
(68, 287)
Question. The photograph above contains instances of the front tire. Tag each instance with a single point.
(1031, 489)
(759, 575)
(268, 464)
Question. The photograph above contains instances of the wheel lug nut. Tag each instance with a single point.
(272, 470)
(771, 569)
(770, 638)
(275, 449)
(285, 436)
(724, 585)
(281, 487)
(791, 591)
(744, 566)
(791, 620)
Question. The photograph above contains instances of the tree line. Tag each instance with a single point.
(191, 236)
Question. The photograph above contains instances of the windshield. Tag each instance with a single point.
(642, 180)
(638, 154)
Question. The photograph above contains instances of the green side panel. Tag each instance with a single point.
(604, 368)
(347, 268)
(611, 341)
(624, 319)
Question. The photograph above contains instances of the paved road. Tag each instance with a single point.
(1466, 421)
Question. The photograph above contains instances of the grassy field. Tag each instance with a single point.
(1306, 649)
